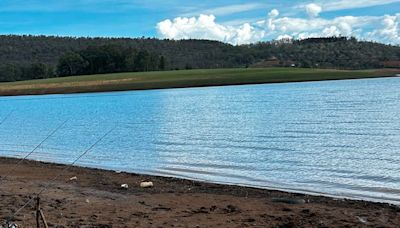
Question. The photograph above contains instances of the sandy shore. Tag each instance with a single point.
(96, 199)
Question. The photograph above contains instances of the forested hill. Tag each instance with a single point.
(27, 57)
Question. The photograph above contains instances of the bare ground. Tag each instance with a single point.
(96, 199)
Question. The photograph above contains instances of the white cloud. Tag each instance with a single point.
(273, 13)
(384, 29)
(318, 27)
(331, 31)
(353, 4)
(389, 31)
(379, 28)
(313, 10)
(205, 27)
(227, 10)
(284, 37)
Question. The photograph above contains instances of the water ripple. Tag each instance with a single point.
(338, 138)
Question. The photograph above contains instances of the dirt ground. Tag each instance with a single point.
(96, 199)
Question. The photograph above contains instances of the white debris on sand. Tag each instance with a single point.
(124, 186)
(147, 184)
(73, 178)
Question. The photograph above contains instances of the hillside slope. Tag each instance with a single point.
(180, 79)
(36, 57)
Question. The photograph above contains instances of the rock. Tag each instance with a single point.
(124, 186)
(147, 184)
(231, 209)
(73, 178)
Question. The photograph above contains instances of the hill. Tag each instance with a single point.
(33, 57)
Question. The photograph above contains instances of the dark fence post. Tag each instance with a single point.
(38, 212)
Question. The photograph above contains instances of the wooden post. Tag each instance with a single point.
(38, 212)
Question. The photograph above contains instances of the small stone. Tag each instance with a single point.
(73, 178)
(124, 186)
(147, 184)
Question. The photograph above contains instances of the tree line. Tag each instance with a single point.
(33, 57)
(330, 52)
(91, 60)
(108, 59)
(14, 72)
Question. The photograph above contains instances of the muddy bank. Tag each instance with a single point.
(96, 199)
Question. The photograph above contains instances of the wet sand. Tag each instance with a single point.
(96, 199)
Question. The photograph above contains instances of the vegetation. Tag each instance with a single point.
(178, 79)
(32, 57)
(108, 59)
(335, 52)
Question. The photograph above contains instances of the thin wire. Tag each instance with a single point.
(5, 118)
(56, 177)
(30, 153)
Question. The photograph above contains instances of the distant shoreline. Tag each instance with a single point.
(94, 196)
(183, 79)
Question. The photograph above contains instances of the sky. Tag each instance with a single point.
(230, 21)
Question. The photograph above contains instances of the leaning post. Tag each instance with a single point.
(37, 212)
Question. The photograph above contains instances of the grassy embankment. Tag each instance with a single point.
(180, 79)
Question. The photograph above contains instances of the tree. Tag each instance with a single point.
(71, 64)
(161, 65)
(142, 61)
(188, 66)
(35, 71)
(10, 73)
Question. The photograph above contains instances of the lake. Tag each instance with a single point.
(338, 138)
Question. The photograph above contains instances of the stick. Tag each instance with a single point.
(5, 118)
(43, 219)
(32, 151)
(56, 177)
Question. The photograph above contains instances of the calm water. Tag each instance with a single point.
(339, 138)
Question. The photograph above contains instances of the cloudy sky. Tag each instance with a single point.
(232, 21)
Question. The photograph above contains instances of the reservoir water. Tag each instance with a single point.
(339, 138)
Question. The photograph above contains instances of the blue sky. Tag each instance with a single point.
(232, 21)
